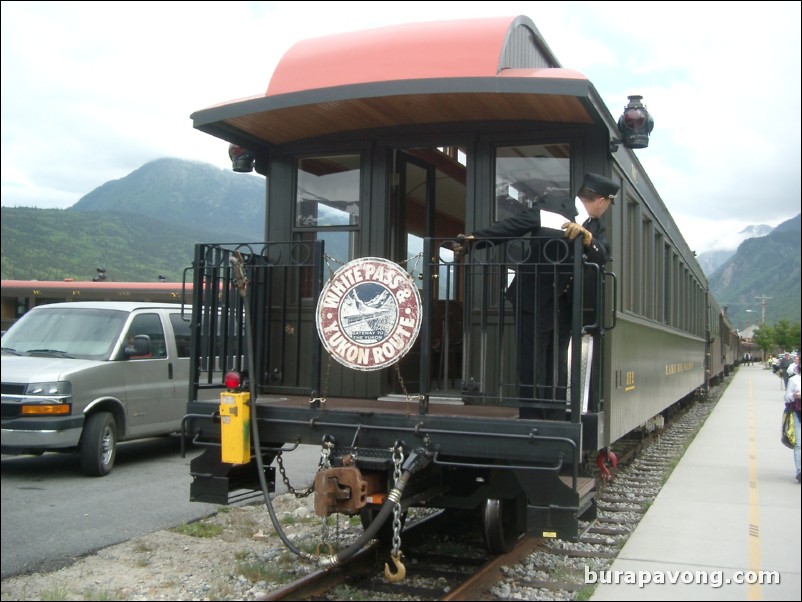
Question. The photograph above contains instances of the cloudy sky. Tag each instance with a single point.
(92, 91)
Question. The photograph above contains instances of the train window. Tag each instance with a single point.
(328, 191)
(647, 284)
(428, 199)
(676, 283)
(529, 173)
(659, 283)
(340, 245)
(633, 254)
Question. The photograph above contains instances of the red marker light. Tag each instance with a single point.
(232, 380)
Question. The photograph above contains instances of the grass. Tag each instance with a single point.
(199, 529)
(56, 591)
(289, 519)
(345, 592)
(584, 593)
(255, 570)
(101, 595)
(60, 591)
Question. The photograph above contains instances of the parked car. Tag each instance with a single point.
(83, 376)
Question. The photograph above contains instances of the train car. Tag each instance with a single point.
(725, 346)
(18, 296)
(358, 326)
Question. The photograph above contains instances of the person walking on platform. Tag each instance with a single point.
(792, 400)
(785, 361)
(794, 367)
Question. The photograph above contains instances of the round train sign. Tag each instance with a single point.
(369, 314)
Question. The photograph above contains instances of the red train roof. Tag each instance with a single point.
(468, 48)
(423, 73)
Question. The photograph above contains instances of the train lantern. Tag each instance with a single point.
(635, 124)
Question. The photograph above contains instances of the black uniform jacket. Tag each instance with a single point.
(537, 284)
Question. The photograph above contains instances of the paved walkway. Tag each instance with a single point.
(730, 511)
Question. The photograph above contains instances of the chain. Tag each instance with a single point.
(326, 378)
(416, 258)
(322, 398)
(337, 528)
(299, 494)
(325, 464)
(322, 464)
(401, 380)
(398, 459)
(325, 453)
(404, 387)
(329, 259)
(324, 531)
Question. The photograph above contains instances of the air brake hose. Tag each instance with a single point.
(242, 284)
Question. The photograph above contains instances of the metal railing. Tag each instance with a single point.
(498, 322)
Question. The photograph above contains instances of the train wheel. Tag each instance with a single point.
(500, 524)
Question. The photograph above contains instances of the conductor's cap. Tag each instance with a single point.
(600, 185)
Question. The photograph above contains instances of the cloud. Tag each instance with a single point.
(92, 91)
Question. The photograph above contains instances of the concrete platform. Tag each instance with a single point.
(729, 513)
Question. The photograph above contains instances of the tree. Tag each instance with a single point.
(786, 335)
(763, 337)
(783, 336)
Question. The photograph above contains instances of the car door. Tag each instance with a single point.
(151, 398)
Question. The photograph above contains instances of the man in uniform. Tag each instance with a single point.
(542, 296)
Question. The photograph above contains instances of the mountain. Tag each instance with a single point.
(137, 227)
(725, 248)
(763, 277)
(53, 244)
(187, 192)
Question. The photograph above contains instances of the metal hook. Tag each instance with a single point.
(601, 459)
(401, 570)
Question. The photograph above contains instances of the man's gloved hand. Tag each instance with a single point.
(572, 230)
(462, 245)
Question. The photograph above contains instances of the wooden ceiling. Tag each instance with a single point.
(317, 119)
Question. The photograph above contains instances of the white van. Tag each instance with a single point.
(83, 376)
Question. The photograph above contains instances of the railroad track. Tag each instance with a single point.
(443, 570)
(455, 566)
(556, 571)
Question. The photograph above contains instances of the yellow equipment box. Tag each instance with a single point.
(235, 427)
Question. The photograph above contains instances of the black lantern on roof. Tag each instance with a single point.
(635, 125)
(242, 159)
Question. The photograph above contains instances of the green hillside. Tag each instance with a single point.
(53, 244)
(138, 227)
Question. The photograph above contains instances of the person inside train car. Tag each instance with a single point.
(792, 400)
(536, 296)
